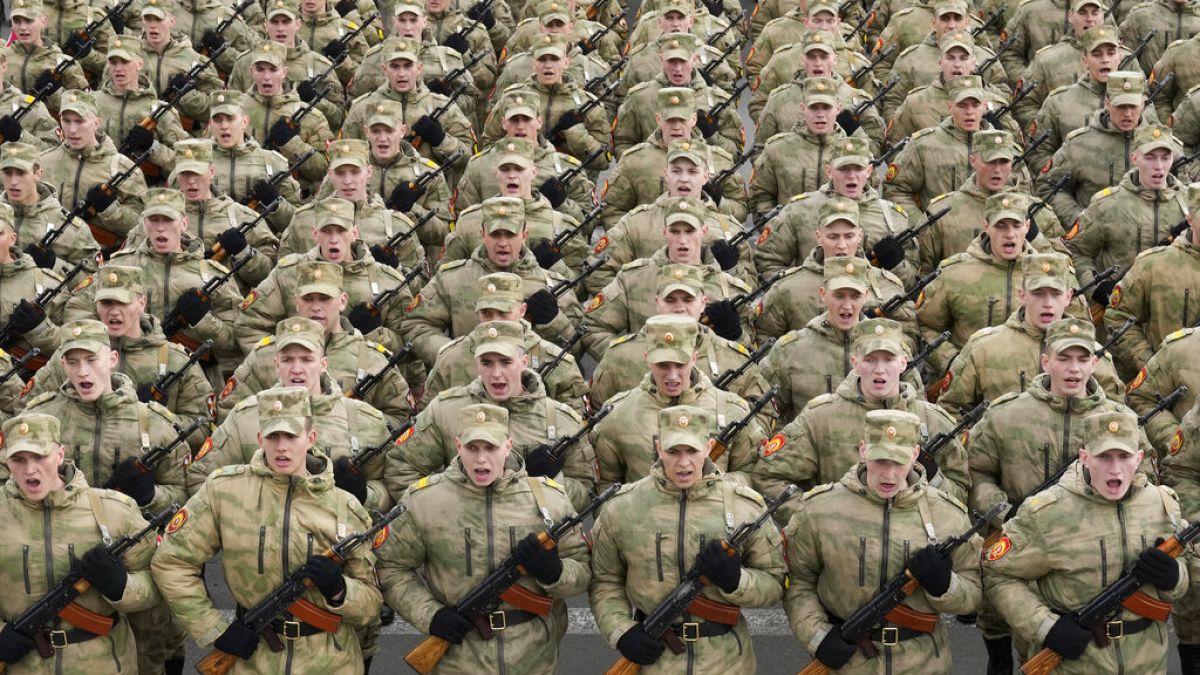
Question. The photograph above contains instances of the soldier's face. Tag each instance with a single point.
(819, 63)
(196, 186)
(285, 453)
(297, 366)
(165, 233)
(684, 243)
(21, 186)
(1101, 61)
(493, 314)
(826, 21)
(28, 31)
(675, 22)
(503, 247)
(885, 477)
(683, 465)
(436, 6)
(120, 318)
(845, 306)
(1043, 306)
(124, 73)
(991, 176)
(839, 238)
(1088, 16)
(549, 69)
(402, 74)
(879, 373)
(385, 140)
(350, 181)
(820, 118)
(1069, 371)
(156, 30)
(1154, 167)
(35, 475)
(90, 372)
(501, 374)
(268, 78)
(228, 130)
(681, 302)
(515, 180)
(967, 114)
(408, 25)
(555, 27)
(334, 242)
(956, 63)
(678, 71)
(482, 461)
(521, 126)
(676, 128)
(672, 379)
(1124, 117)
(849, 180)
(79, 132)
(321, 308)
(282, 28)
(1007, 237)
(1111, 472)
(685, 178)
(950, 21)
(313, 6)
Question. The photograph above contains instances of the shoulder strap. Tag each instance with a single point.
(164, 353)
(727, 501)
(710, 354)
(98, 511)
(539, 496)
(144, 426)
(923, 509)
(551, 419)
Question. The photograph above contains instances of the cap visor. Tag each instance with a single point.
(848, 160)
(486, 433)
(302, 340)
(1035, 282)
(121, 295)
(667, 355)
(288, 425)
(674, 286)
(500, 347)
(1064, 344)
(830, 101)
(1006, 214)
(160, 210)
(838, 283)
(1128, 99)
(676, 437)
(498, 304)
(12, 447)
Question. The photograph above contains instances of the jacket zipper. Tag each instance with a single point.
(167, 292)
(885, 532)
(1065, 453)
(97, 430)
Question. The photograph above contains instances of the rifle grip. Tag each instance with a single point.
(623, 667)
(1171, 547)
(718, 449)
(216, 663)
(1043, 663)
(425, 656)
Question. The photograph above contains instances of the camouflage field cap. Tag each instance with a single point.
(680, 277)
(820, 41)
(483, 422)
(194, 155)
(80, 102)
(334, 211)
(1046, 270)
(523, 102)
(1007, 206)
(277, 7)
(891, 435)
(270, 52)
(408, 8)
(122, 283)
(1097, 36)
(87, 334)
(8, 218)
(404, 48)
(959, 38)
(815, 7)
(834, 210)
(682, 46)
(319, 276)
(166, 202)
(1150, 137)
(1071, 332)
(519, 151)
(302, 331)
(994, 144)
(851, 151)
(225, 102)
(388, 113)
(820, 90)
(685, 210)
(286, 409)
(1077, 5)
(500, 291)
(846, 272)
(672, 338)
(944, 7)
(966, 86)
(503, 213)
(1111, 430)
(684, 148)
(124, 47)
(676, 103)
(157, 8)
(349, 151)
(32, 432)
(1125, 87)
(30, 9)
(878, 335)
(684, 425)
(19, 156)
(550, 44)
(553, 10)
(684, 7)
(506, 338)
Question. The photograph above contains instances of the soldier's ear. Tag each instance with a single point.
(862, 450)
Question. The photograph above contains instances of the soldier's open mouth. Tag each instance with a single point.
(1114, 483)
(32, 483)
(86, 386)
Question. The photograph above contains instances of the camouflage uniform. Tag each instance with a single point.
(1035, 24)
(38, 128)
(783, 108)
(35, 221)
(542, 221)
(27, 62)
(302, 63)
(1172, 19)
(314, 132)
(781, 71)
(22, 278)
(1179, 471)
(318, 30)
(1057, 65)
(918, 65)
(178, 56)
(1178, 58)
(1172, 366)
(925, 107)
(437, 61)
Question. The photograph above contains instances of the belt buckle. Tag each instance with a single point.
(1108, 630)
(291, 630)
(890, 636)
(58, 639)
(691, 631)
(498, 620)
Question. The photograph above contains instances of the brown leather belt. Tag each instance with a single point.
(46, 641)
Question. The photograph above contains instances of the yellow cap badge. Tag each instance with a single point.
(683, 421)
(112, 277)
(1113, 427)
(480, 416)
(277, 406)
(668, 338)
(891, 432)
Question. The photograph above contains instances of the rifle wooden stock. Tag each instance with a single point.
(425, 657)
(623, 667)
(216, 662)
(523, 598)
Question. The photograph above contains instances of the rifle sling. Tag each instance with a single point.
(46, 641)
(689, 631)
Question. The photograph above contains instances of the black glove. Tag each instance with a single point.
(364, 319)
(482, 13)
(545, 254)
(1068, 638)
(706, 77)
(1178, 229)
(888, 252)
(138, 140)
(932, 570)
(175, 84)
(724, 570)
(334, 50)
(541, 307)
(1032, 232)
(450, 625)
(237, 640)
(42, 256)
(544, 565)
(439, 85)
(458, 43)
(727, 256)
(1157, 568)
(929, 462)
(345, 477)
(706, 123)
(539, 462)
(104, 572)
(307, 91)
(833, 651)
(637, 646)
(129, 479)
(326, 576)
(723, 318)
(47, 82)
(232, 241)
(713, 191)
(385, 256)
(264, 193)
(10, 129)
(344, 7)
(430, 129)
(77, 45)
(282, 132)
(554, 191)
(567, 120)
(98, 200)
(404, 196)
(715, 7)
(118, 23)
(145, 394)
(13, 645)
(848, 122)
(192, 306)
(211, 42)
(25, 317)
(1103, 291)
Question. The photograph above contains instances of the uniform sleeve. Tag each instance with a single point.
(806, 615)
(140, 591)
(1063, 202)
(576, 565)
(606, 318)
(743, 452)
(257, 319)
(1007, 576)
(1160, 380)
(170, 483)
(907, 179)
(934, 316)
(763, 570)
(426, 325)
(1130, 300)
(399, 559)
(964, 392)
(608, 454)
(953, 476)
(363, 598)
(422, 454)
(1087, 244)
(780, 249)
(177, 567)
(606, 593)
(579, 465)
(787, 458)
(983, 453)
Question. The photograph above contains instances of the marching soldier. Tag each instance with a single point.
(1169, 368)
(37, 128)
(26, 324)
(1179, 471)
(38, 55)
(1061, 63)
(322, 24)
(169, 57)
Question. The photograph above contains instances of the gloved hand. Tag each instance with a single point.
(1157, 568)
(175, 84)
(237, 640)
(130, 480)
(1103, 291)
(714, 7)
(327, 577)
(10, 129)
(932, 570)
(545, 254)
(385, 256)
(344, 7)
(713, 191)
(706, 77)
(118, 23)
(567, 120)
(47, 82)
(727, 256)
(13, 645)
(25, 317)
(77, 45)
(211, 42)
(139, 139)
(192, 306)
(439, 85)
(552, 190)
(637, 646)
(724, 570)
(833, 651)
(929, 462)
(585, 46)
(98, 200)
(404, 196)
(346, 478)
(541, 307)
(430, 129)
(264, 193)
(232, 241)
(42, 256)
(724, 320)
(1032, 232)
(363, 319)
(145, 394)
(450, 625)
(1068, 638)
(544, 565)
(539, 462)
(282, 132)
(334, 50)
(706, 123)
(104, 572)
(458, 43)
(848, 122)
(888, 252)
(483, 14)
(307, 91)
(1176, 230)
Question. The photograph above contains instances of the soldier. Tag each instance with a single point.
(466, 31)
(1060, 64)
(536, 421)
(445, 308)
(484, 487)
(37, 128)
(38, 55)
(37, 211)
(1179, 58)
(1047, 564)
(52, 516)
(1149, 15)
(500, 299)
(169, 57)
(1169, 368)
(26, 324)
(322, 25)
(86, 158)
(586, 64)
(790, 29)
(884, 491)
(819, 444)
(1035, 25)
(311, 517)
(676, 16)
(1179, 472)
(624, 570)
(350, 356)
(622, 438)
